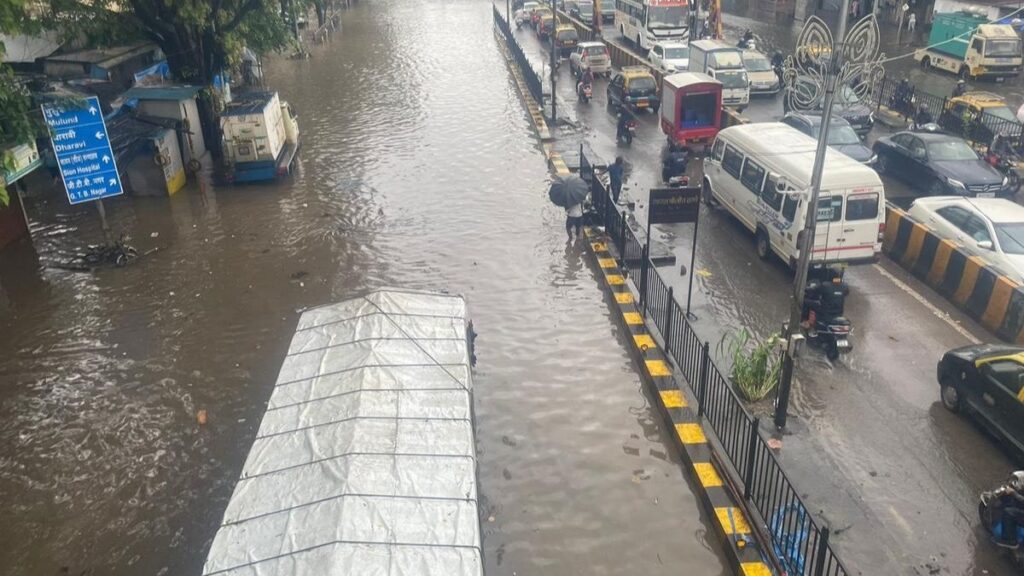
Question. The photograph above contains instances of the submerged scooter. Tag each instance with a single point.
(991, 510)
(824, 297)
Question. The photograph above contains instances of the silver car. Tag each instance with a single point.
(991, 228)
(593, 55)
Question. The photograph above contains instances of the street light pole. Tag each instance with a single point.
(508, 12)
(551, 40)
(806, 237)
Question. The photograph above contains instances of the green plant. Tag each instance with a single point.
(755, 364)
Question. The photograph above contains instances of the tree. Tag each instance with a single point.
(17, 123)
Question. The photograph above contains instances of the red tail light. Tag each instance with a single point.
(881, 231)
(839, 329)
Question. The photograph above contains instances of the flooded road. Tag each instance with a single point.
(418, 169)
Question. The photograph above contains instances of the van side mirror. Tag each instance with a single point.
(985, 244)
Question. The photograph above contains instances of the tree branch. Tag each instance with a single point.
(240, 15)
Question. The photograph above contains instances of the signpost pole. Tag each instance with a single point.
(103, 222)
(693, 268)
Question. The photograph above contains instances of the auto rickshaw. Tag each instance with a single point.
(979, 117)
(537, 14)
(565, 39)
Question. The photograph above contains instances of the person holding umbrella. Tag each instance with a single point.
(570, 193)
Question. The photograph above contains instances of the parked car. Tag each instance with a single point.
(986, 382)
(841, 135)
(847, 104)
(979, 116)
(938, 164)
(634, 87)
(670, 56)
(992, 228)
(763, 79)
(593, 55)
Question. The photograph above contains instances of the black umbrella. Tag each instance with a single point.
(568, 191)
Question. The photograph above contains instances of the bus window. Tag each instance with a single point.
(830, 209)
(732, 160)
(770, 193)
(753, 176)
(789, 207)
(862, 207)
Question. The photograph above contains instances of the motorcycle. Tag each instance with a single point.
(626, 135)
(584, 91)
(824, 325)
(1006, 164)
(992, 523)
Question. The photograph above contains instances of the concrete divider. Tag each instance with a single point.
(970, 282)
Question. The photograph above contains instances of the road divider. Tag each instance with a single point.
(970, 282)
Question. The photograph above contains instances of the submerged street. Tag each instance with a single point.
(418, 169)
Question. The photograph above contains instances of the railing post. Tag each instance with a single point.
(702, 384)
(819, 560)
(748, 478)
(667, 332)
(622, 235)
(643, 278)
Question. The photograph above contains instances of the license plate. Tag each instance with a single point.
(842, 343)
(641, 104)
(986, 195)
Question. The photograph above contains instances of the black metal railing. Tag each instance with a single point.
(799, 544)
(530, 76)
(977, 127)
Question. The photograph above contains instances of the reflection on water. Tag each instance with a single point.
(418, 168)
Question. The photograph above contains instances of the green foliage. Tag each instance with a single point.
(756, 365)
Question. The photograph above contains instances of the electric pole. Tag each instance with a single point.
(554, 58)
(806, 237)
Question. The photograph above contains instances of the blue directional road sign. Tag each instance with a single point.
(83, 151)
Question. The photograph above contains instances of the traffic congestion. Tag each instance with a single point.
(723, 118)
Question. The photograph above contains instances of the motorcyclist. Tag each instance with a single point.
(778, 64)
(825, 294)
(673, 162)
(923, 116)
(960, 88)
(586, 79)
(1011, 508)
(622, 127)
(746, 39)
(902, 97)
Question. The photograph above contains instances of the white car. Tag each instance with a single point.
(524, 13)
(992, 228)
(593, 55)
(670, 56)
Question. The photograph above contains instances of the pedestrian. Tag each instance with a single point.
(574, 220)
(854, 9)
(615, 176)
(911, 24)
(960, 88)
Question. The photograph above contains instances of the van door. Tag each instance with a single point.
(848, 225)
(770, 214)
(727, 186)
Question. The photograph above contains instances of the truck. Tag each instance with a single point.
(967, 44)
(261, 137)
(724, 63)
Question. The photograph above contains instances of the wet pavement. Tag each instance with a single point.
(869, 444)
(418, 168)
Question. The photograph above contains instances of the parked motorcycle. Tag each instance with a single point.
(1006, 162)
(584, 91)
(824, 325)
(990, 512)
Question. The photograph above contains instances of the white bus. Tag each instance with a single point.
(645, 22)
(761, 174)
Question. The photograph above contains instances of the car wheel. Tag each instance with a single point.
(708, 193)
(937, 189)
(764, 248)
(926, 63)
(965, 73)
(883, 164)
(951, 397)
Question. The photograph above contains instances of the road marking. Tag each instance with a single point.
(644, 342)
(673, 399)
(755, 569)
(690, 433)
(945, 317)
(732, 520)
(624, 297)
(657, 368)
(707, 474)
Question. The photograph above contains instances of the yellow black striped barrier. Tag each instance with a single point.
(994, 300)
(728, 516)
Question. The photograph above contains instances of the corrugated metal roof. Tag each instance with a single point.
(364, 462)
(104, 56)
(248, 103)
(162, 92)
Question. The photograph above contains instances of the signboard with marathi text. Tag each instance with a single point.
(83, 151)
(674, 205)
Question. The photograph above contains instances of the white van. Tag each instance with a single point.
(581, 9)
(761, 173)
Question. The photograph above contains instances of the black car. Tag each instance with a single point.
(986, 381)
(635, 87)
(846, 104)
(940, 164)
(841, 135)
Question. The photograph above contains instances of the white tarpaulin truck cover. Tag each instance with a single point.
(364, 463)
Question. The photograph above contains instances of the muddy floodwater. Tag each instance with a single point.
(418, 169)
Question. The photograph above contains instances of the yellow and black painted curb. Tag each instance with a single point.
(994, 300)
(534, 109)
(677, 407)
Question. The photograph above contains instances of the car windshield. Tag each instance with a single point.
(756, 63)
(677, 53)
(666, 16)
(595, 51)
(838, 134)
(732, 78)
(1002, 47)
(950, 150)
(567, 35)
(1011, 237)
(641, 84)
(725, 59)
